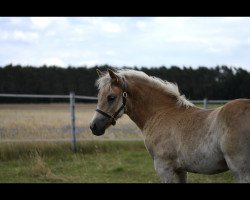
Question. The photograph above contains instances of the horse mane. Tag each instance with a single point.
(165, 86)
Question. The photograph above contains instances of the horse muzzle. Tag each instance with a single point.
(96, 130)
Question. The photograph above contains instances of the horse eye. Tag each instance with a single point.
(111, 98)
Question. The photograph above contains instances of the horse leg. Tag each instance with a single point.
(164, 170)
(240, 168)
(181, 176)
(244, 177)
(236, 149)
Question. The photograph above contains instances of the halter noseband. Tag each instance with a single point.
(124, 101)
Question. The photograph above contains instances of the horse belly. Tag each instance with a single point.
(205, 164)
(202, 153)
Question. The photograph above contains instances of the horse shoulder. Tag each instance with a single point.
(159, 139)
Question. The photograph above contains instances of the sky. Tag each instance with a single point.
(125, 41)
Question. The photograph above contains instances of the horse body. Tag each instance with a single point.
(180, 137)
(188, 145)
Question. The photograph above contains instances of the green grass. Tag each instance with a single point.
(94, 162)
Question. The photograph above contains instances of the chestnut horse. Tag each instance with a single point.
(179, 136)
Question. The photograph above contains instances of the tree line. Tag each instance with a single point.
(220, 82)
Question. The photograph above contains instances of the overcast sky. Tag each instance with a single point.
(125, 41)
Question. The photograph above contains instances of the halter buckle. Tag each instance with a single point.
(124, 94)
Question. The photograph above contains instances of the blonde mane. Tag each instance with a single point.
(165, 86)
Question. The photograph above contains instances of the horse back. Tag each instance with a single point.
(236, 114)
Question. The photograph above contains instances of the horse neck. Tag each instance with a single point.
(145, 101)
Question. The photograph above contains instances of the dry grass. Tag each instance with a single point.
(22, 122)
(39, 170)
(52, 121)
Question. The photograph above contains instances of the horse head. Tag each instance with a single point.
(111, 101)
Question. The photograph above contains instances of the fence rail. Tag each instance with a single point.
(48, 96)
(205, 102)
(72, 98)
(89, 97)
(210, 101)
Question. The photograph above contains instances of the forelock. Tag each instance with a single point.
(103, 81)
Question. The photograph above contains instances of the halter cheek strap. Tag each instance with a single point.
(124, 101)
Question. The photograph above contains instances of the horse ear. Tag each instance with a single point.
(100, 73)
(114, 76)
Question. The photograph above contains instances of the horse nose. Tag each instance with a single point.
(96, 130)
(93, 127)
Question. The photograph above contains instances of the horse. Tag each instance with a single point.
(179, 136)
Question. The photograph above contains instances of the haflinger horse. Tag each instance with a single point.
(179, 136)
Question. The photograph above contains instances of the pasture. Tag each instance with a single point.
(35, 146)
(52, 122)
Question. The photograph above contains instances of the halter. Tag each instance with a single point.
(124, 101)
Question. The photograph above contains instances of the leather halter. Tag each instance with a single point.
(124, 101)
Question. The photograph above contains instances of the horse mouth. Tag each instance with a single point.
(96, 131)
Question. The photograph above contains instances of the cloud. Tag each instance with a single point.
(110, 53)
(16, 21)
(19, 35)
(232, 19)
(141, 24)
(4, 35)
(107, 25)
(25, 36)
(45, 22)
(41, 22)
(111, 27)
(92, 62)
(54, 61)
(141, 41)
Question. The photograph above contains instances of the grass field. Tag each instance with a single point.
(94, 162)
(23, 158)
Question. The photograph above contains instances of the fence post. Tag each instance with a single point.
(72, 115)
(205, 102)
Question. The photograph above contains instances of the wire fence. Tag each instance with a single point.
(71, 98)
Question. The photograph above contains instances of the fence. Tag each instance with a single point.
(72, 98)
(205, 102)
